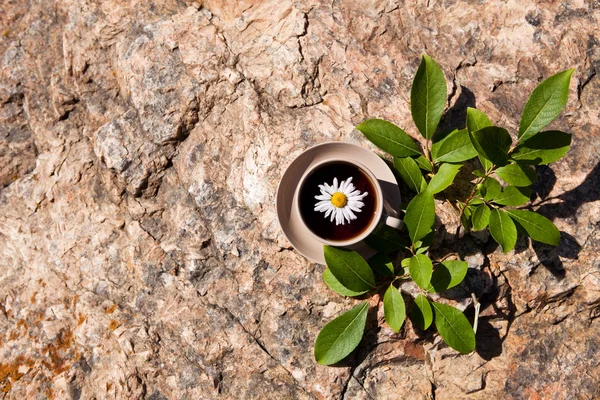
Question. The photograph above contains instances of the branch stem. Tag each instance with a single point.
(477, 305)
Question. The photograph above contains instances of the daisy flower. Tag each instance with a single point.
(340, 202)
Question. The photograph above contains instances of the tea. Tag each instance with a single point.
(323, 226)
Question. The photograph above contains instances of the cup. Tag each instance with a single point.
(377, 215)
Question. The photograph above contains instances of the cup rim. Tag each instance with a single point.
(378, 206)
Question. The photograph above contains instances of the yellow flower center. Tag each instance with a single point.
(339, 199)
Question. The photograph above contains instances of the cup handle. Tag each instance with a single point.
(394, 222)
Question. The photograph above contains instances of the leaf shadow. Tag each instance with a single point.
(456, 116)
(484, 285)
(566, 207)
(486, 289)
(545, 182)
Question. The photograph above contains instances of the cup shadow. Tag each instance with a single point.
(391, 197)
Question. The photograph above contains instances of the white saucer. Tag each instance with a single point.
(289, 218)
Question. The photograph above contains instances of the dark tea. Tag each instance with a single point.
(316, 221)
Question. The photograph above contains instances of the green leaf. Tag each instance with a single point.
(420, 269)
(444, 177)
(517, 175)
(447, 275)
(513, 196)
(428, 96)
(466, 216)
(476, 120)
(385, 238)
(481, 217)
(340, 337)
(337, 287)
(503, 230)
(545, 103)
(389, 138)
(382, 264)
(349, 268)
(487, 165)
(405, 264)
(421, 313)
(437, 142)
(393, 308)
(492, 143)
(420, 215)
(543, 148)
(457, 147)
(490, 188)
(538, 227)
(410, 173)
(423, 163)
(454, 328)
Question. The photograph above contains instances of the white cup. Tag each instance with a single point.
(378, 212)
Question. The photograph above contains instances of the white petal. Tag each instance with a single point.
(329, 211)
(350, 189)
(350, 213)
(354, 208)
(333, 214)
(325, 197)
(324, 191)
(355, 203)
(344, 185)
(335, 185)
(324, 206)
(354, 193)
(362, 196)
(346, 213)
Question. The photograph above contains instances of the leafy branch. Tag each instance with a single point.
(501, 183)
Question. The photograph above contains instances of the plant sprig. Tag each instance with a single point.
(428, 172)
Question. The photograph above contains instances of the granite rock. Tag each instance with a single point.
(141, 144)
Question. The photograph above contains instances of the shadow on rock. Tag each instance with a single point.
(549, 256)
(571, 201)
(545, 183)
(489, 343)
(587, 192)
(456, 116)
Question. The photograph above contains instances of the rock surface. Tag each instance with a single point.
(141, 144)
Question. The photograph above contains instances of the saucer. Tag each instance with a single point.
(289, 218)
